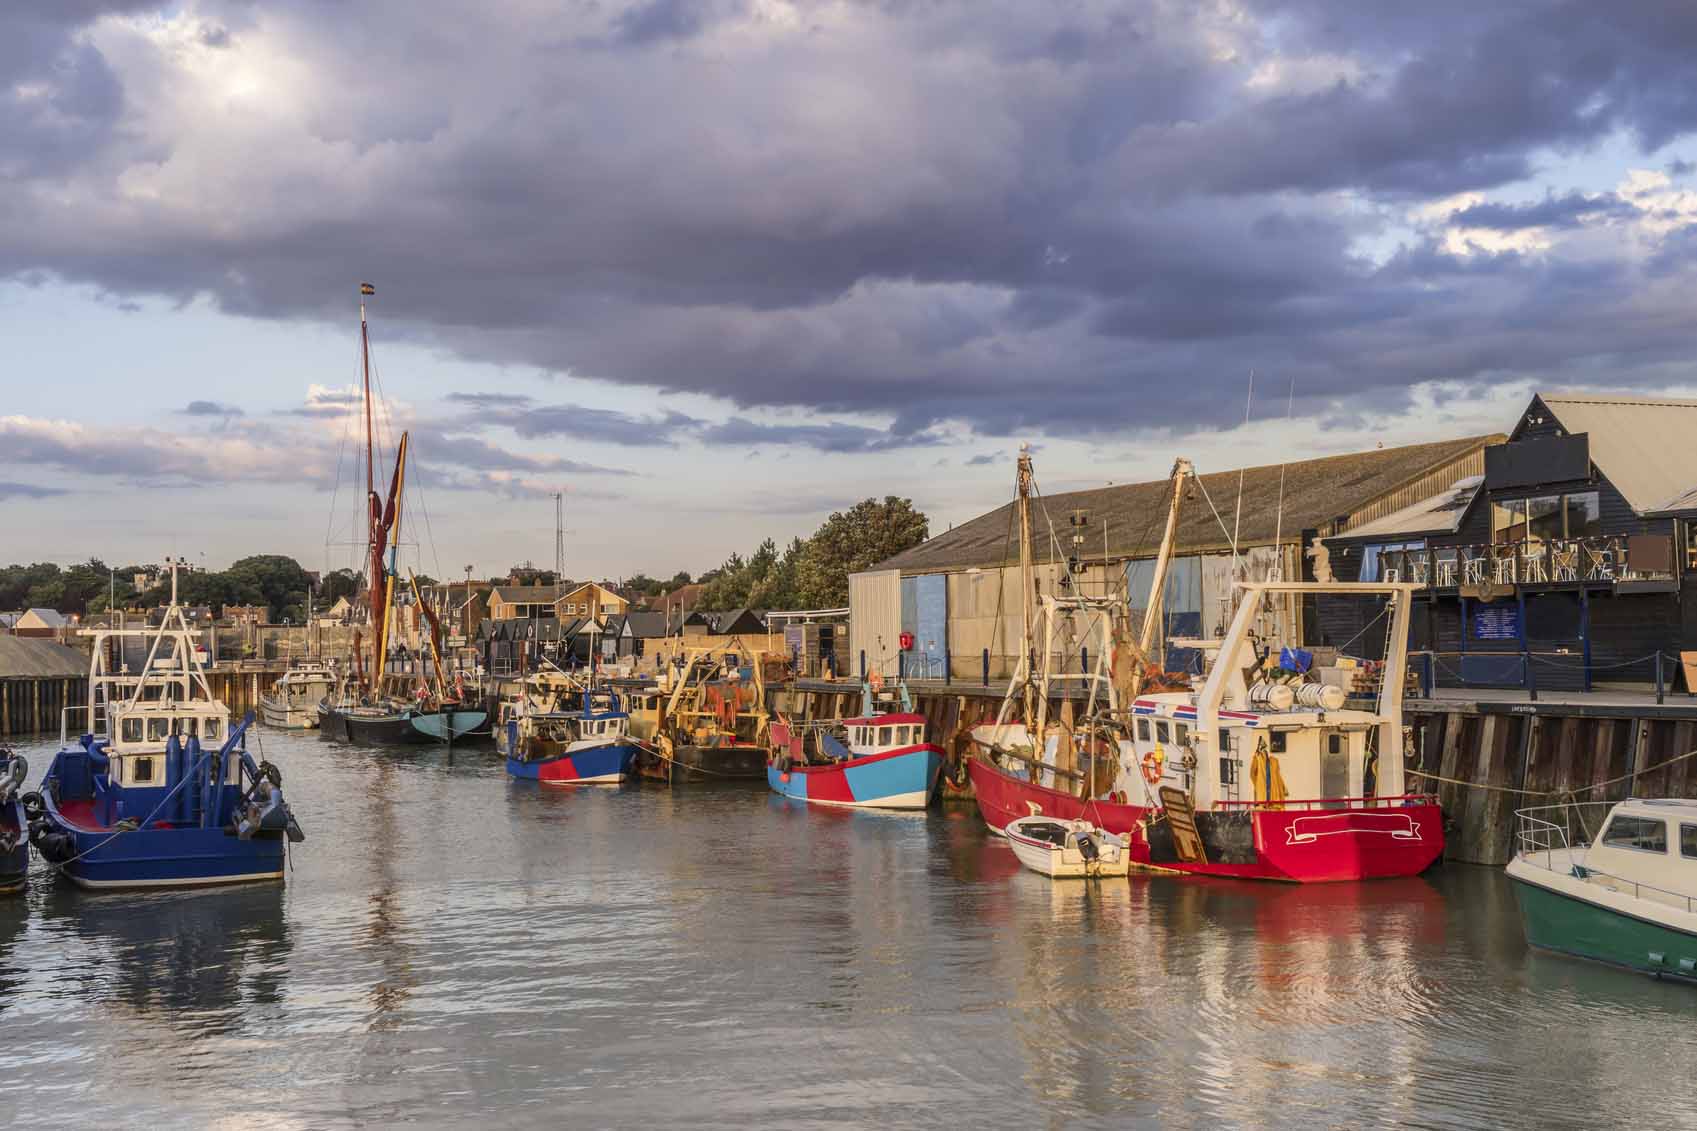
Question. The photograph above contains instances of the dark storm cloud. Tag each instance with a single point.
(1553, 211)
(1025, 217)
(838, 438)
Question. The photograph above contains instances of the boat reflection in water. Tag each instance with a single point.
(197, 960)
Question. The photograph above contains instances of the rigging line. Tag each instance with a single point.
(429, 531)
(1279, 527)
(1237, 524)
(1197, 479)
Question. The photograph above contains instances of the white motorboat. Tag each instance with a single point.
(1067, 849)
(295, 700)
(1627, 896)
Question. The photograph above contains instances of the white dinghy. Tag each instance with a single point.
(1065, 850)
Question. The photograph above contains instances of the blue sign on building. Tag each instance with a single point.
(1501, 623)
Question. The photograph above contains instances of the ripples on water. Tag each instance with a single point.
(452, 946)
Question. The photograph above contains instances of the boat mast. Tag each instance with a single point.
(1158, 584)
(1027, 584)
(373, 506)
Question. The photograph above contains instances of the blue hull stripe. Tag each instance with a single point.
(886, 778)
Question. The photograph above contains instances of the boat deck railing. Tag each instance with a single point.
(1400, 801)
(1545, 842)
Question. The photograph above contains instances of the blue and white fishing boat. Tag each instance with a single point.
(14, 826)
(879, 760)
(558, 732)
(160, 791)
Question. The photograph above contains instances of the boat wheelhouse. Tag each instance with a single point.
(877, 760)
(160, 791)
(1627, 896)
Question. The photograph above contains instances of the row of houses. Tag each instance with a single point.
(1559, 553)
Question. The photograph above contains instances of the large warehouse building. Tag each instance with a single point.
(956, 596)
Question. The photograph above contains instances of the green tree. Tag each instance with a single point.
(853, 540)
(337, 584)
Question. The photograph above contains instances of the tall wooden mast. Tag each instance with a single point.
(1027, 584)
(1182, 470)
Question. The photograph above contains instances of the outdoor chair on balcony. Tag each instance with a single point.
(1564, 563)
(1504, 563)
(1446, 572)
(1599, 563)
(1476, 570)
(1533, 563)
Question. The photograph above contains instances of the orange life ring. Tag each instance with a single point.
(1152, 763)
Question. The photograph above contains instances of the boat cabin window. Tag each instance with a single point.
(130, 730)
(1181, 734)
(210, 729)
(883, 736)
(1646, 834)
(189, 727)
(1162, 734)
(1276, 742)
(156, 729)
(1143, 730)
(1225, 739)
(1688, 841)
(141, 771)
(1334, 743)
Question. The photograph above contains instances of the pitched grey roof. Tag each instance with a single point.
(1316, 492)
(646, 625)
(1643, 444)
(532, 594)
(24, 657)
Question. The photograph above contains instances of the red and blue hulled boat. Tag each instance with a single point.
(161, 792)
(877, 761)
(559, 733)
(14, 825)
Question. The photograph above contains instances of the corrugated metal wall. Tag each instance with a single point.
(984, 613)
(925, 614)
(875, 620)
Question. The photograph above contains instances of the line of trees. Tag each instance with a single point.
(813, 573)
(273, 580)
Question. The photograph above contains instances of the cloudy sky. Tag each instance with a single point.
(716, 268)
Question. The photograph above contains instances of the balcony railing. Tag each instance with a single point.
(1607, 559)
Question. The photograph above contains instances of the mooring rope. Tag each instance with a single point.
(663, 756)
(1570, 792)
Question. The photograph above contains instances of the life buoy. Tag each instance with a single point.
(1152, 765)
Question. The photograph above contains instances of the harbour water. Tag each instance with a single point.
(454, 947)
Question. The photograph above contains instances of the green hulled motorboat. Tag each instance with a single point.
(1626, 896)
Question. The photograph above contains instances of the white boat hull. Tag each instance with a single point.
(302, 716)
(1068, 863)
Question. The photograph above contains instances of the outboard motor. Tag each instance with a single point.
(267, 812)
(14, 768)
(1087, 847)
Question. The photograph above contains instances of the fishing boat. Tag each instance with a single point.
(557, 731)
(160, 791)
(1275, 774)
(1261, 772)
(295, 700)
(1067, 850)
(14, 825)
(879, 760)
(1018, 767)
(712, 725)
(363, 708)
(1627, 897)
